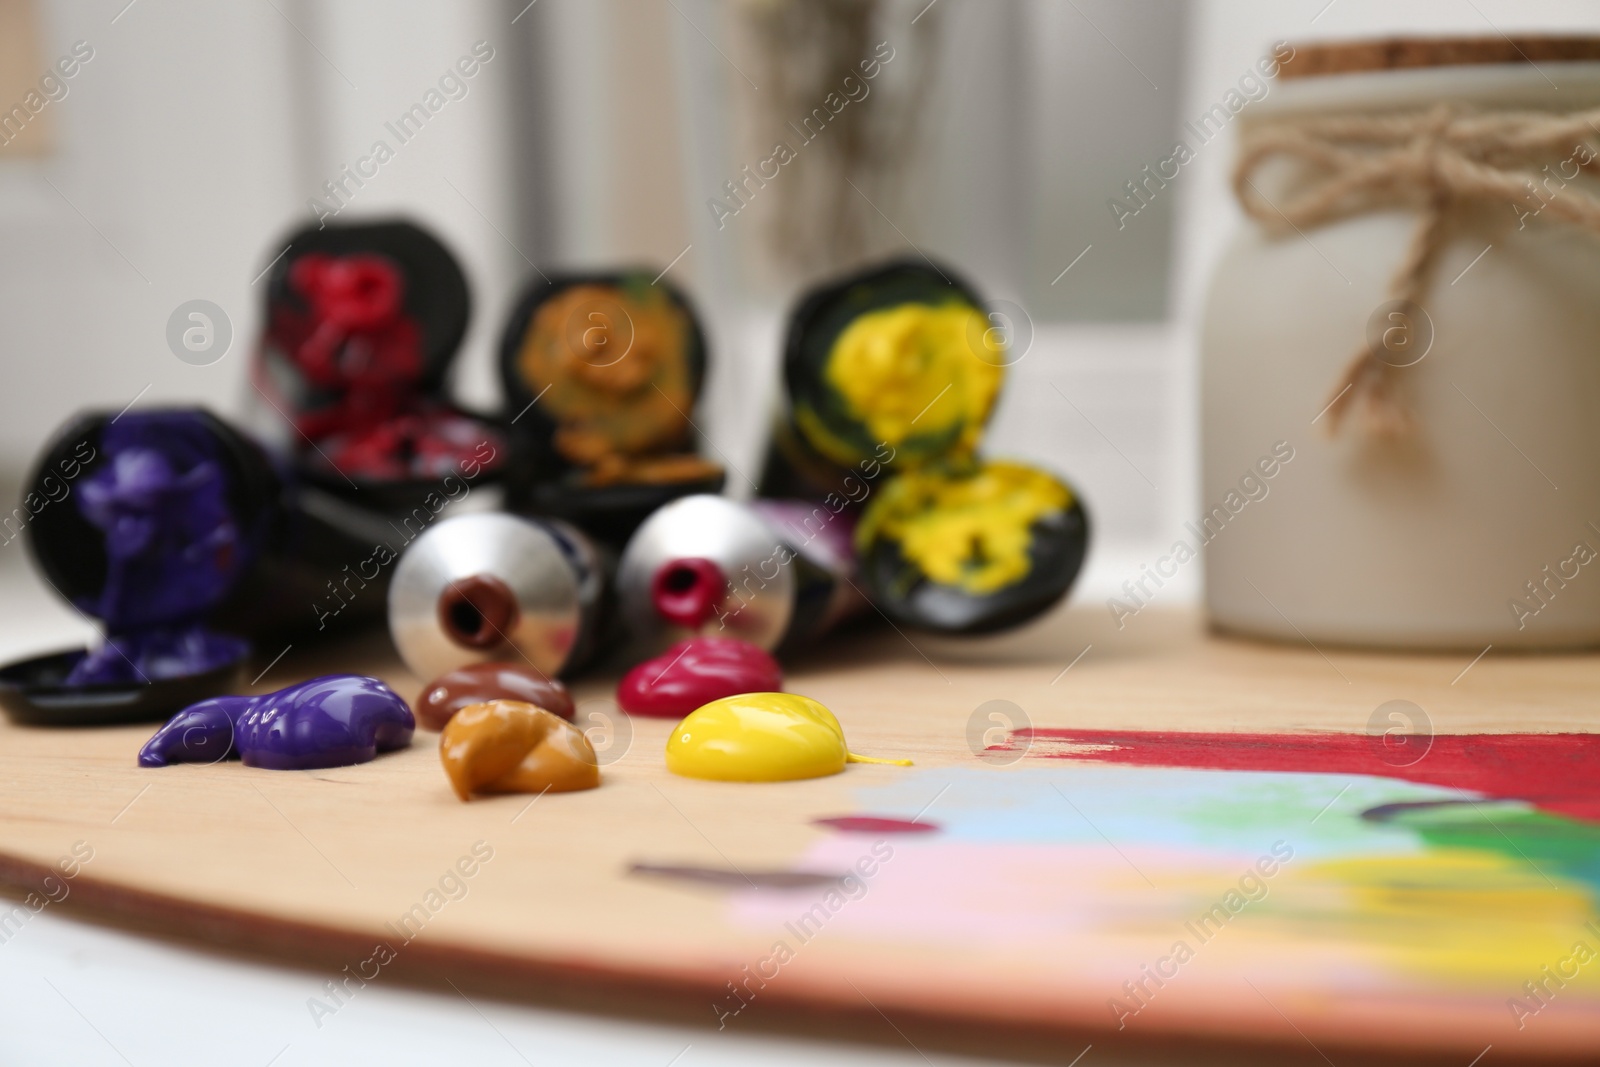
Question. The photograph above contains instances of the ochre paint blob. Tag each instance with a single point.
(696, 672)
(480, 682)
(761, 737)
(877, 824)
(507, 746)
(614, 367)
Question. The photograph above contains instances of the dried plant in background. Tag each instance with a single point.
(824, 209)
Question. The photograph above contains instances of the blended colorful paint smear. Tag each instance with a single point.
(1554, 772)
(1465, 874)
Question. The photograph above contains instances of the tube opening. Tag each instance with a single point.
(478, 612)
(688, 592)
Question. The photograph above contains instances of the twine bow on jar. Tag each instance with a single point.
(1435, 158)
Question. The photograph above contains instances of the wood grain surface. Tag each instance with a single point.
(311, 866)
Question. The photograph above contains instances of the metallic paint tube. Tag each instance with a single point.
(496, 587)
(775, 573)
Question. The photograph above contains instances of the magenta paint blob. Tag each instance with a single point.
(696, 672)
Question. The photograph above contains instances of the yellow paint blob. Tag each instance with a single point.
(761, 737)
(970, 530)
(913, 370)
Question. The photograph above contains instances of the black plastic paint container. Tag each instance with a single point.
(361, 326)
(602, 372)
(189, 542)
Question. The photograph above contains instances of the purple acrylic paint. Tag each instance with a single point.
(332, 721)
(173, 550)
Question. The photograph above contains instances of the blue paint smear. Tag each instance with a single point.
(1235, 812)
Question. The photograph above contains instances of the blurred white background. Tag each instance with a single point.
(192, 141)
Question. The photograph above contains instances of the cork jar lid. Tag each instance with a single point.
(1403, 53)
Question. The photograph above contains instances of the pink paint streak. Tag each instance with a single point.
(1555, 772)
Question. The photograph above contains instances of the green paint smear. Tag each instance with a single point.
(1556, 846)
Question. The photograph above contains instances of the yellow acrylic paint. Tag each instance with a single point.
(1457, 915)
(761, 737)
(970, 530)
(913, 369)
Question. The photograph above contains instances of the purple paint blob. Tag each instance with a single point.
(154, 653)
(173, 550)
(200, 733)
(173, 545)
(332, 721)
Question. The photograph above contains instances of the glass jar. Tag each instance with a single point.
(1480, 526)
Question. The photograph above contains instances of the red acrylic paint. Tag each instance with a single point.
(1554, 772)
(696, 672)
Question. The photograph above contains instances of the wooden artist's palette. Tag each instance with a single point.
(1373, 906)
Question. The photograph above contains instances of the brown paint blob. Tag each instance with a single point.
(480, 682)
(508, 746)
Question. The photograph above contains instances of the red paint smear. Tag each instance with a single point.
(874, 824)
(1555, 772)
